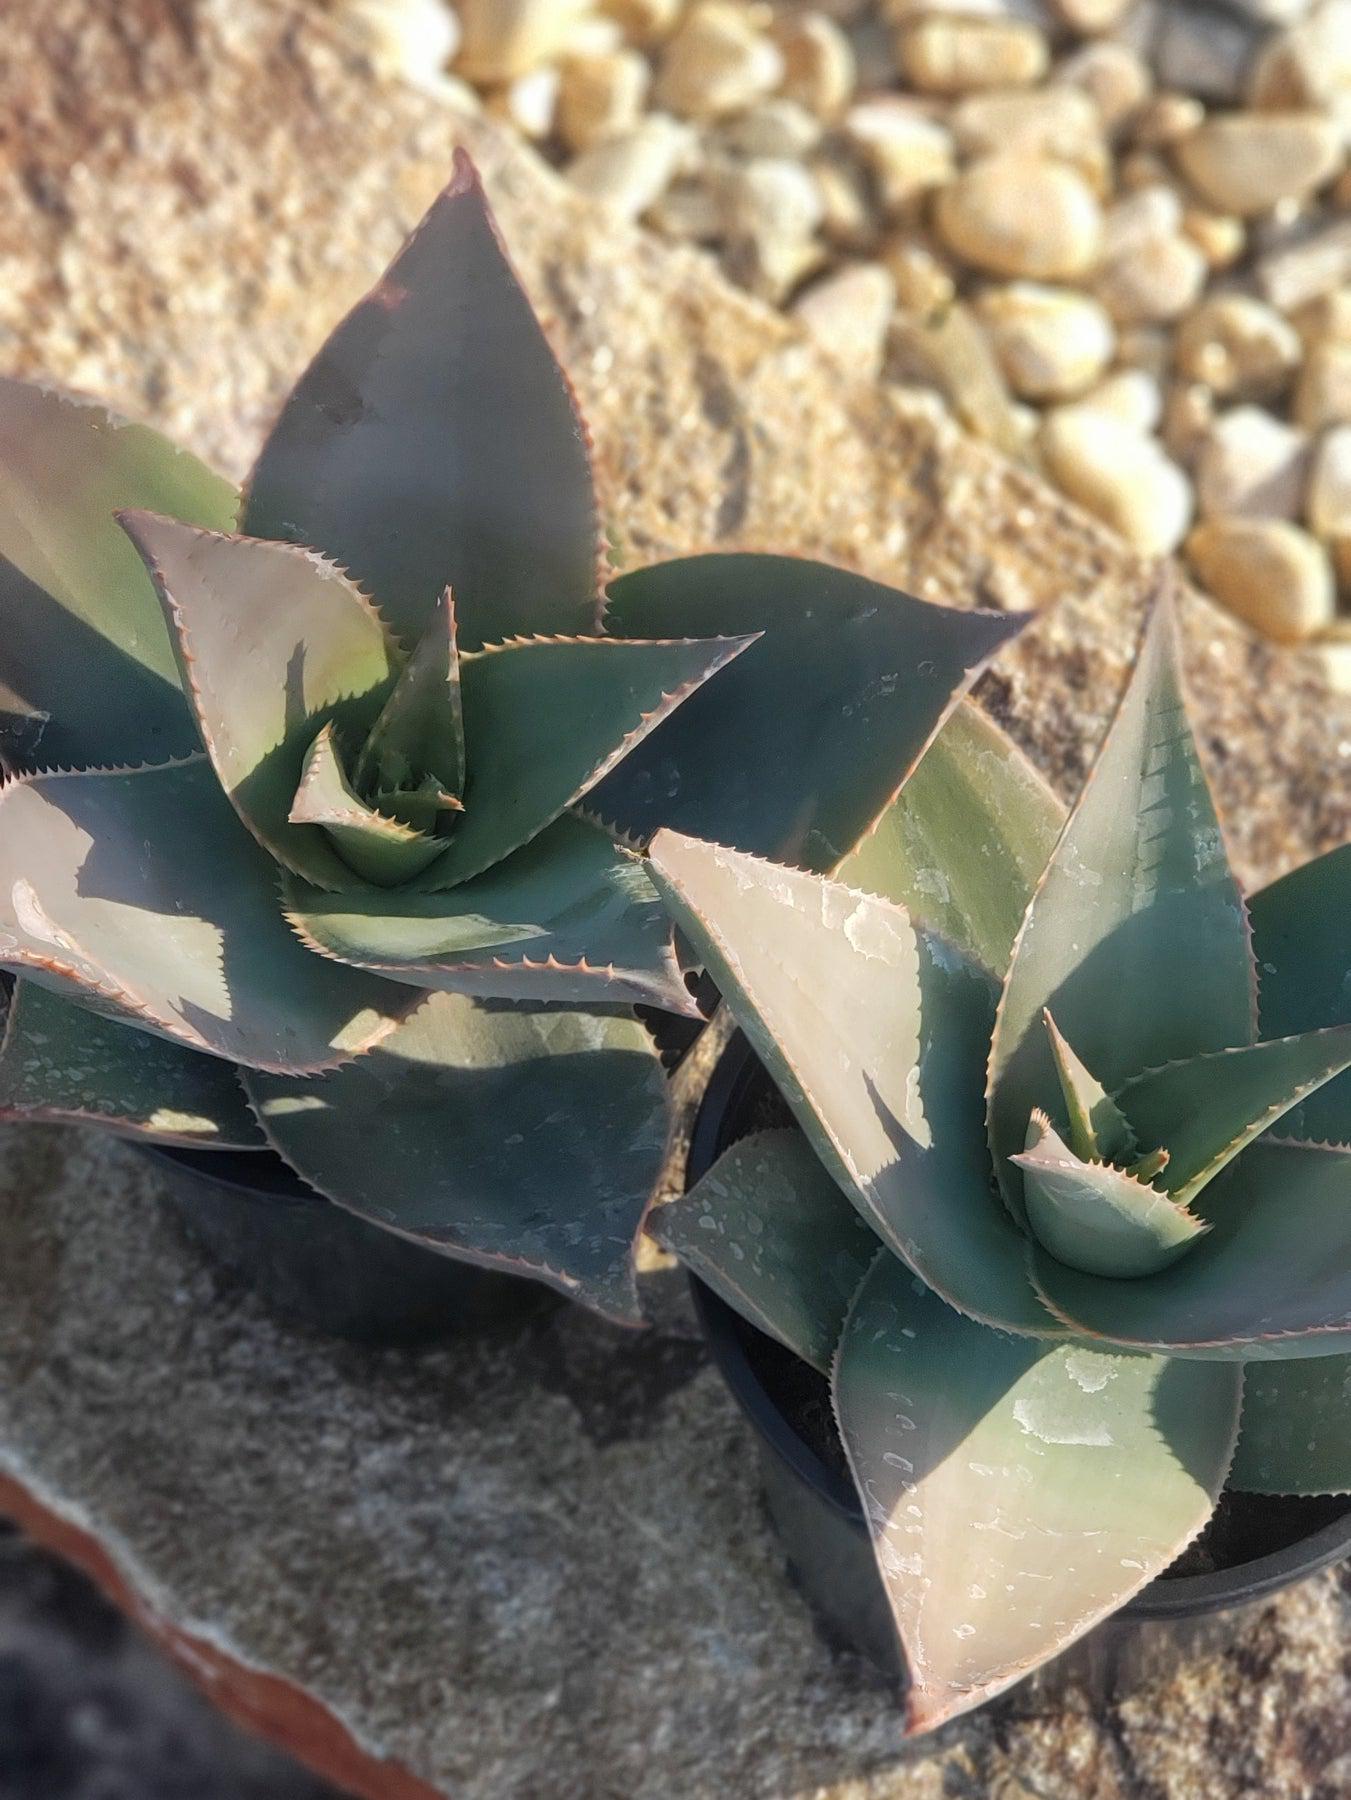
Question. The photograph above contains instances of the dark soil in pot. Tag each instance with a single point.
(320, 1267)
(1254, 1546)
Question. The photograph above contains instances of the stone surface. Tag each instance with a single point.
(627, 173)
(537, 1566)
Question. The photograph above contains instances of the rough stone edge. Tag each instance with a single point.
(256, 1699)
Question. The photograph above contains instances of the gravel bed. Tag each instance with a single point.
(1114, 235)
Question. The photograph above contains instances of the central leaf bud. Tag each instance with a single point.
(389, 810)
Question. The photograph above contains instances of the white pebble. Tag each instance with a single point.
(1252, 465)
(1119, 474)
(1270, 573)
(1020, 215)
(848, 312)
(1051, 343)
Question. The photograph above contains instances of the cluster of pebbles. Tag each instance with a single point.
(1114, 235)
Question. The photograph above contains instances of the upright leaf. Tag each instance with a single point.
(421, 730)
(140, 895)
(769, 1230)
(434, 442)
(572, 916)
(1304, 976)
(1137, 938)
(964, 843)
(876, 1034)
(544, 718)
(798, 749)
(517, 1137)
(78, 616)
(275, 643)
(1098, 1132)
(1270, 1279)
(1017, 1493)
(62, 1063)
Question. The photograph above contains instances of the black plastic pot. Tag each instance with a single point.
(318, 1266)
(816, 1511)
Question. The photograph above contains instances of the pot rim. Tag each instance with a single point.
(1179, 1596)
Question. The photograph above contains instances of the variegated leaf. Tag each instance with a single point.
(59, 1062)
(523, 1138)
(78, 616)
(770, 1232)
(1017, 1492)
(876, 1034)
(141, 895)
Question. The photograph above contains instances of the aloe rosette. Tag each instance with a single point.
(1073, 1154)
(340, 787)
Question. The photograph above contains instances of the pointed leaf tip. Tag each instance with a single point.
(1098, 1130)
(840, 699)
(435, 441)
(1137, 936)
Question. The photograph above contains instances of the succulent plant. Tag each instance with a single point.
(342, 784)
(1066, 1166)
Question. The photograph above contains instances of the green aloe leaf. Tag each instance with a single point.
(964, 843)
(1270, 1279)
(1095, 1217)
(1017, 1493)
(274, 643)
(1136, 939)
(78, 616)
(1294, 1438)
(876, 1033)
(62, 1063)
(421, 730)
(1300, 942)
(139, 894)
(544, 718)
(769, 1230)
(434, 442)
(1206, 1110)
(796, 751)
(1098, 1130)
(377, 847)
(523, 1138)
(572, 916)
